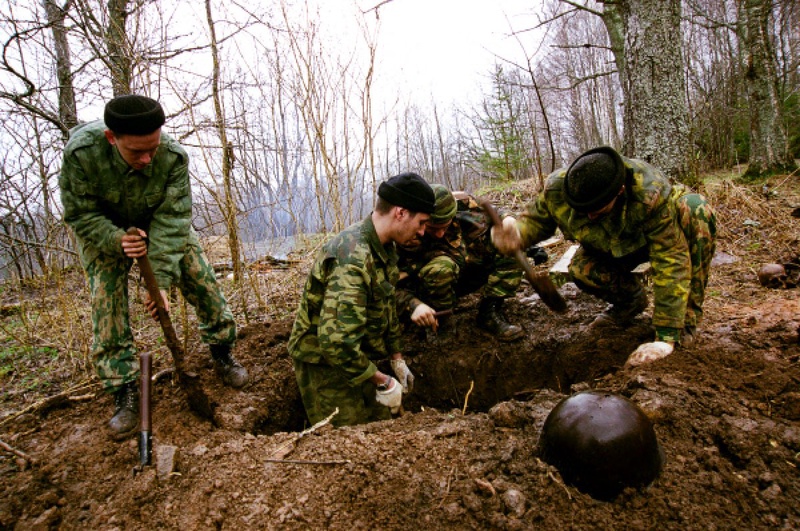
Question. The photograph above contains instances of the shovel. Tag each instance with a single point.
(541, 282)
(198, 400)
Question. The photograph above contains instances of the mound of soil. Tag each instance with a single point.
(463, 454)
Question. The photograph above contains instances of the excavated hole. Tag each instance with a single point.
(556, 352)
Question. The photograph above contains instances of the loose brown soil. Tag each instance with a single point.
(463, 454)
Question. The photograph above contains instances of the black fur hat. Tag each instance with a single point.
(133, 115)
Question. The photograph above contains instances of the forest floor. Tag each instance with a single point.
(463, 455)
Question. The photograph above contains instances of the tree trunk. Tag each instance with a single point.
(230, 209)
(653, 81)
(67, 109)
(117, 44)
(769, 150)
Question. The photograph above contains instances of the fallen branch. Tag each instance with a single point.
(558, 482)
(50, 400)
(466, 398)
(284, 449)
(307, 462)
(16, 452)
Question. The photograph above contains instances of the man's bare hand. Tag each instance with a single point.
(506, 238)
(135, 245)
(151, 305)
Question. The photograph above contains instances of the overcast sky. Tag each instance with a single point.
(444, 49)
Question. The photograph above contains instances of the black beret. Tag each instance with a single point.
(408, 190)
(594, 179)
(133, 115)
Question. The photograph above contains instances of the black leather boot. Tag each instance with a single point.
(232, 372)
(126, 415)
(491, 318)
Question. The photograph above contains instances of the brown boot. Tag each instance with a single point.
(232, 372)
(491, 318)
(126, 416)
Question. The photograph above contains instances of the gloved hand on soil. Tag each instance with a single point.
(506, 238)
(404, 375)
(424, 315)
(649, 352)
(391, 396)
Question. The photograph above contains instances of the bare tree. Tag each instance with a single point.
(231, 210)
(769, 151)
(67, 108)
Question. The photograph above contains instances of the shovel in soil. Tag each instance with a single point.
(198, 399)
(541, 282)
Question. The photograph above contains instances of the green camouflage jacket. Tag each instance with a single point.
(646, 216)
(347, 316)
(103, 196)
(465, 241)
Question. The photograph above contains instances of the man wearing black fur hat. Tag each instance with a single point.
(347, 319)
(124, 172)
(625, 212)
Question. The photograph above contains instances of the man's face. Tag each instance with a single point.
(597, 214)
(412, 227)
(437, 230)
(137, 150)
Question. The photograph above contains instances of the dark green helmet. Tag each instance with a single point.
(601, 443)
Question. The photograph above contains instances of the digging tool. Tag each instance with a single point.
(145, 437)
(541, 282)
(198, 400)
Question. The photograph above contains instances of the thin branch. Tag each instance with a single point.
(16, 452)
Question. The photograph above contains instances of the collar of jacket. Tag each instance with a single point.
(124, 168)
(387, 253)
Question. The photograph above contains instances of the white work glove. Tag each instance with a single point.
(391, 397)
(507, 238)
(424, 315)
(404, 375)
(649, 352)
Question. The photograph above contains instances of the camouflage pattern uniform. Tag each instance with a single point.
(652, 221)
(102, 197)
(442, 269)
(346, 320)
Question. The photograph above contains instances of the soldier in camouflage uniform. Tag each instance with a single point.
(347, 317)
(123, 172)
(624, 212)
(453, 258)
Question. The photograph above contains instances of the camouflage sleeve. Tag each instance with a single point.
(671, 268)
(82, 210)
(406, 301)
(169, 227)
(343, 322)
(536, 223)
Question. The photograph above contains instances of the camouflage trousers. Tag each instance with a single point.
(611, 279)
(113, 349)
(324, 388)
(441, 281)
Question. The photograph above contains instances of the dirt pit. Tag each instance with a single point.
(463, 456)
(464, 453)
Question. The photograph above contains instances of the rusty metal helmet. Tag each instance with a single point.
(601, 443)
(772, 276)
